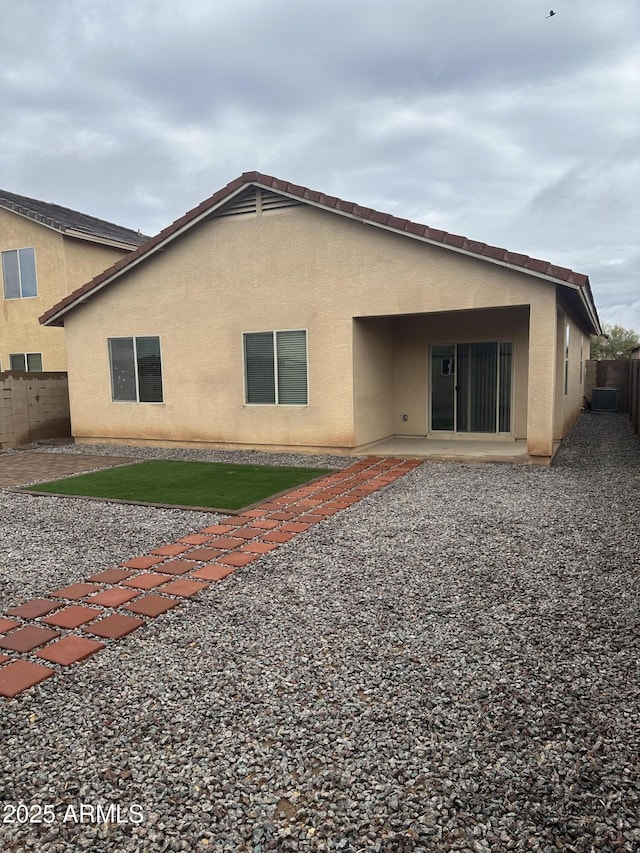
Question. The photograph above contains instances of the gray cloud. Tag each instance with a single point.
(486, 119)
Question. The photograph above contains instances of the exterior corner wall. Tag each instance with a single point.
(543, 376)
(373, 380)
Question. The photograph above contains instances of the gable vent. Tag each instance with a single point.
(255, 202)
(273, 201)
(246, 202)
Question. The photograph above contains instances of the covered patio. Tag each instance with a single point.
(457, 450)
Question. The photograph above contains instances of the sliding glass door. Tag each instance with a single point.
(471, 387)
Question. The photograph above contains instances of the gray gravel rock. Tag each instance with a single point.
(450, 664)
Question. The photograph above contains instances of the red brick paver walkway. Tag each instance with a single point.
(72, 622)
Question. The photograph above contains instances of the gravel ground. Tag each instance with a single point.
(451, 664)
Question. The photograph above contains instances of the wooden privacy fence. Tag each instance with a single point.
(33, 406)
(634, 394)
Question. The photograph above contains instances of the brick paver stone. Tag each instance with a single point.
(213, 572)
(113, 597)
(246, 532)
(70, 650)
(8, 625)
(75, 591)
(151, 605)
(184, 588)
(277, 537)
(34, 608)
(112, 575)
(294, 527)
(204, 554)
(114, 626)
(72, 616)
(25, 639)
(178, 567)
(20, 675)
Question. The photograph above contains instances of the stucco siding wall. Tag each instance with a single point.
(84, 260)
(62, 264)
(299, 268)
(20, 330)
(373, 379)
(568, 405)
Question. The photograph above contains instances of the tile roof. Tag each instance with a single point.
(493, 254)
(65, 220)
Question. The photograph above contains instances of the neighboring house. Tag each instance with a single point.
(274, 316)
(47, 251)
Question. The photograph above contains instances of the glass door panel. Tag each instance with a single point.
(504, 404)
(471, 387)
(443, 385)
(480, 391)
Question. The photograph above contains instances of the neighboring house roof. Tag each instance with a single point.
(71, 222)
(236, 188)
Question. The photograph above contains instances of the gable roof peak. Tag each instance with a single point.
(453, 242)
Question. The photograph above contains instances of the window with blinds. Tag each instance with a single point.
(136, 369)
(275, 368)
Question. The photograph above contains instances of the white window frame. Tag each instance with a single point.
(274, 333)
(134, 338)
(35, 268)
(26, 355)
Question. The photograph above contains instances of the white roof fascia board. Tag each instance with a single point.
(105, 241)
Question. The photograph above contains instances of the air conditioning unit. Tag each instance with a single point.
(604, 400)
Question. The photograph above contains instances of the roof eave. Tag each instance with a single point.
(256, 179)
(460, 250)
(104, 241)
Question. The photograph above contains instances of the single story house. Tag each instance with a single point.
(273, 316)
(46, 252)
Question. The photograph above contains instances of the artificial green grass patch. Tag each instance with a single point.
(210, 485)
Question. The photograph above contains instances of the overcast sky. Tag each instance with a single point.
(487, 119)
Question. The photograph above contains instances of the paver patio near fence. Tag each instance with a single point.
(28, 466)
(114, 603)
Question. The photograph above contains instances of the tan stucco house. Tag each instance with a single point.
(272, 316)
(46, 252)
